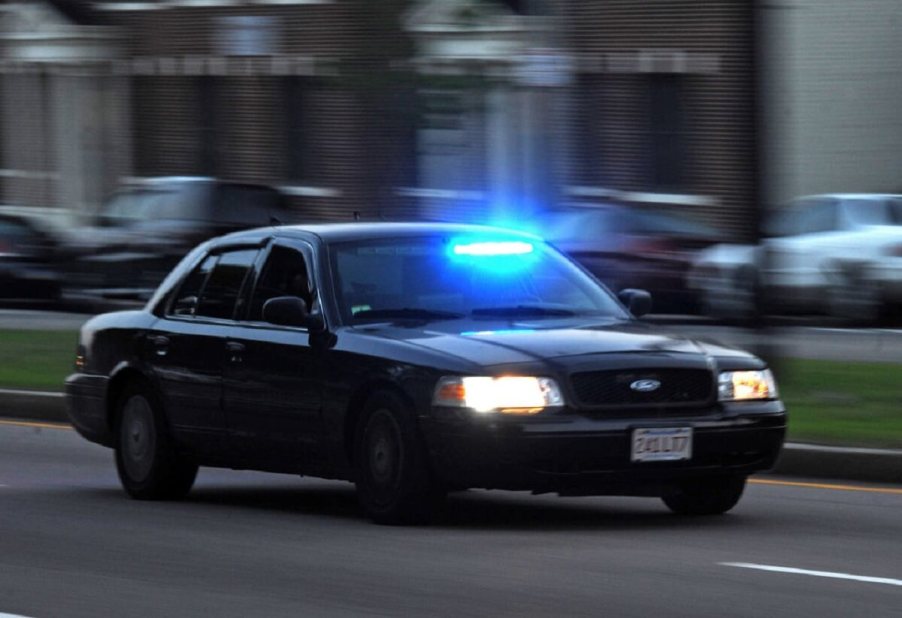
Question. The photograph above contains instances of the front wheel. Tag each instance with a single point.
(394, 484)
(149, 467)
(706, 496)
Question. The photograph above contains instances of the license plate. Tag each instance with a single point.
(662, 444)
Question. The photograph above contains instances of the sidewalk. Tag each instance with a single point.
(803, 460)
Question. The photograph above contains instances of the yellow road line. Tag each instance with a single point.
(36, 424)
(873, 490)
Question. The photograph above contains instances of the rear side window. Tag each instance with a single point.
(186, 298)
(821, 216)
(12, 233)
(214, 286)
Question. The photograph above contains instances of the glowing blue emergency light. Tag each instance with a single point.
(492, 248)
(504, 331)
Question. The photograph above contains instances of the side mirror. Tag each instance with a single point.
(290, 311)
(637, 301)
(186, 305)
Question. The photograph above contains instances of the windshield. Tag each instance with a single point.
(447, 278)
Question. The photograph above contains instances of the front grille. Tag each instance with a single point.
(678, 387)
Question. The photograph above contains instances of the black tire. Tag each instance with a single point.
(148, 465)
(394, 483)
(706, 496)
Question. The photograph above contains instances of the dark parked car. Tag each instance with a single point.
(636, 247)
(414, 359)
(142, 232)
(31, 250)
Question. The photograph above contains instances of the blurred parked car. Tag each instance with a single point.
(838, 254)
(32, 245)
(633, 247)
(142, 232)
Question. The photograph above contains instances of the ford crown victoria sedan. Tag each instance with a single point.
(414, 360)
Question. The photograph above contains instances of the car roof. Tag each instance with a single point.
(851, 196)
(153, 182)
(341, 232)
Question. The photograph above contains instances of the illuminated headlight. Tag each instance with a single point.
(745, 385)
(506, 394)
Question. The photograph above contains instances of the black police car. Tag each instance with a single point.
(415, 359)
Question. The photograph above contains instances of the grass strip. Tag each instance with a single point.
(829, 402)
(36, 359)
(847, 403)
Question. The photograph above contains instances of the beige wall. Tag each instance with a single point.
(834, 96)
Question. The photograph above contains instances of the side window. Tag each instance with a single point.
(821, 216)
(784, 222)
(186, 298)
(247, 205)
(284, 274)
(895, 211)
(223, 287)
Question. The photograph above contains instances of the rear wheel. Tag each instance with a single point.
(394, 484)
(706, 496)
(148, 465)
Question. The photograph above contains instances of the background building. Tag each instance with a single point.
(833, 95)
(454, 109)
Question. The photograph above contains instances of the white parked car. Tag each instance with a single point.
(838, 254)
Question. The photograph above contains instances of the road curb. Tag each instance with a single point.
(33, 405)
(837, 462)
(808, 460)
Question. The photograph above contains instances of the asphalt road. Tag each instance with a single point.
(249, 544)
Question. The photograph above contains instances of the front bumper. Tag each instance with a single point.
(576, 455)
(86, 407)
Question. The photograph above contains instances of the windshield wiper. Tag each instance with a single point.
(410, 313)
(537, 311)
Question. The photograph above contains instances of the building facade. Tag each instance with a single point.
(284, 93)
(833, 95)
(452, 109)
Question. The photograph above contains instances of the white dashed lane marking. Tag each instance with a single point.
(793, 571)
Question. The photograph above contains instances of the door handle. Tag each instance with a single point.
(235, 350)
(160, 344)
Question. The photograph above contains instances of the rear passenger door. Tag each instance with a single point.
(272, 383)
(187, 348)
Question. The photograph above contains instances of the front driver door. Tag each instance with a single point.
(272, 384)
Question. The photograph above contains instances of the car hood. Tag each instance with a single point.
(487, 344)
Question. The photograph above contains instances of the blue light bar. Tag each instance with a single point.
(508, 247)
(504, 331)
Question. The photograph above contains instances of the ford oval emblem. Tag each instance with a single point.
(645, 386)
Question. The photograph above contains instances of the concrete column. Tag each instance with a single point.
(65, 107)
